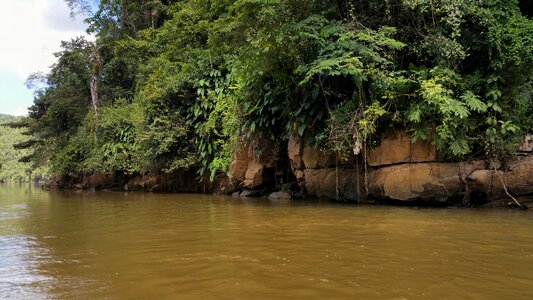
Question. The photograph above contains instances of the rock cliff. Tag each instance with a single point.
(396, 170)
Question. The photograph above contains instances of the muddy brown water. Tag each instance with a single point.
(110, 245)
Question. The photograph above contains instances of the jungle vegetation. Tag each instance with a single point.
(167, 84)
(12, 169)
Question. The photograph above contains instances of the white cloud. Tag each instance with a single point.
(19, 112)
(54, 17)
(31, 31)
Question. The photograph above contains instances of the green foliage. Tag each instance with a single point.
(181, 83)
(11, 167)
(113, 139)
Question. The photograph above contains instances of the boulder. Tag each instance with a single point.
(424, 181)
(254, 175)
(279, 196)
(250, 194)
(155, 188)
(397, 148)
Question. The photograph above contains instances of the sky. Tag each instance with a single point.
(30, 32)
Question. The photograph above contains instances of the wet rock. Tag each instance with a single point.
(290, 187)
(236, 195)
(251, 194)
(155, 188)
(397, 148)
(278, 196)
(500, 203)
(528, 199)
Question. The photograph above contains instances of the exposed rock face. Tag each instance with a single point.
(98, 181)
(254, 175)
(142, 182)
(238, 168)
(178, 182)
(429, 181)
(313, 158)
(294, 152)
(397, 170)
(323, 183)
(397, 148)
(250, 171)
(239, 164)
(519, 180)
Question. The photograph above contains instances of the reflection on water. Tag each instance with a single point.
(150, 246)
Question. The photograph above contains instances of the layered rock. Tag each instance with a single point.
(430, 181)
(397, 148)
(396, 170)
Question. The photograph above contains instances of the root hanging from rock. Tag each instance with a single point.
(505, 188)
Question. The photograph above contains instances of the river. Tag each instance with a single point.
(111, 245)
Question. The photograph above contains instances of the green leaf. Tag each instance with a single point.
(301, 129)
(459, 146)
(473, 102)
(414, 114)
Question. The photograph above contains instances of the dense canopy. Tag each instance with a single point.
(168, 85)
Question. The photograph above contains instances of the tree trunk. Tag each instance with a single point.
(94, 93)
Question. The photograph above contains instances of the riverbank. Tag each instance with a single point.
(396, 172)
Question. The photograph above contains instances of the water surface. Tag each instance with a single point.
(107, 245)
